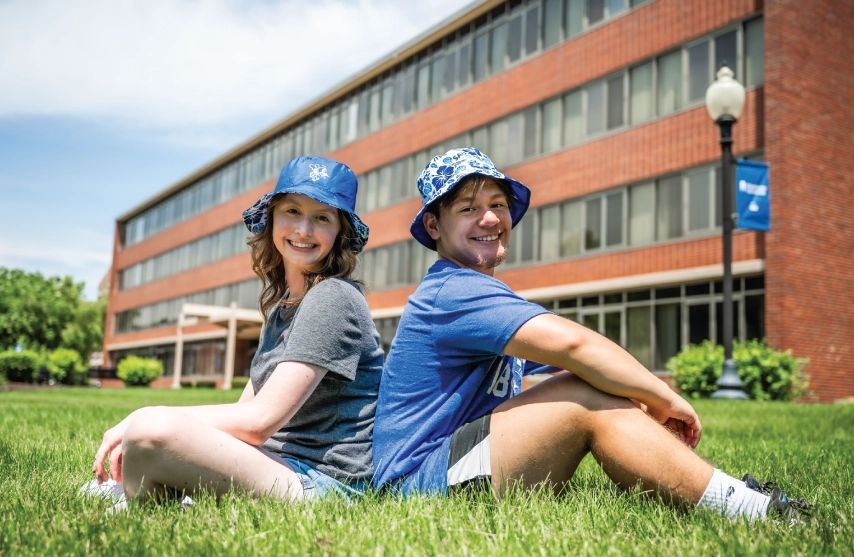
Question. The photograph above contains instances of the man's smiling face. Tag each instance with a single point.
(474, 230)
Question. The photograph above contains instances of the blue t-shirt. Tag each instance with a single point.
(445, 369)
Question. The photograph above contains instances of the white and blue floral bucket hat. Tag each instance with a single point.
(321, 179)
(445, 172)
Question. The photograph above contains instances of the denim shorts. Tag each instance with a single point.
(316, 484)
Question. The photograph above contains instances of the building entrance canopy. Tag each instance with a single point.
(240, 324)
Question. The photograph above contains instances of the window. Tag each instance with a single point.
(499, 46)
(550, 232)
(669, 83)
(464, 65)
(595, 108)
(480, 139)
(574, 18)
(614, 219)
(514, 152)
(551, 125)
(570, 230)
(700, 202)
(669, 200)
(641, 211)
(498, 142)
(407, 87)
(514, 39)
(374, 117)
(527, 244)
(481, 56)
(615, 102)
(726, 52)
(532, 30)
(698, 323)
(372, 191)
(437, 73)
(573, 119)
(754, 46)
(423, 95)
(699, 72)
(593, 228)
(641, 96)
(639, 334)
(384, 190)
(595, 11)
(552, 18)
(530, 147)
(451, 71)
(615, 7)
(667, 333)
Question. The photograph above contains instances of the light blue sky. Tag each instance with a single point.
(104, 104)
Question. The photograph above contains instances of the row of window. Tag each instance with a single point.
(199, 359)
(395, 265)
(680, 205)
(166, 312)
(630, 97)
(654, 324)
(219, 245)
(508, 34)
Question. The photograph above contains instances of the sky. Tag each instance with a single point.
(103, 104)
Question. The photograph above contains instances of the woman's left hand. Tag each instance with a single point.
(111, 445)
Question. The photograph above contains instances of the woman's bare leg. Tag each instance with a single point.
(165, 447)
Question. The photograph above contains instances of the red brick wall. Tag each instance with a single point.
(809, 87)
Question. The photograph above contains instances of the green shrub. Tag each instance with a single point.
(22, 367)
(136, 371)
(67, 366)
(767, 373)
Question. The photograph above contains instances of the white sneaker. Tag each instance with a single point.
(110, 491)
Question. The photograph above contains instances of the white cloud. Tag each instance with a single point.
(187, 63)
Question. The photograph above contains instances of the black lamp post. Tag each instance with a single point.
(725, 100)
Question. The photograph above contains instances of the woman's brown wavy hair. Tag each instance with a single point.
(341, 262)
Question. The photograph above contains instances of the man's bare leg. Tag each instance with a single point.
(542, 435)
(165, 447)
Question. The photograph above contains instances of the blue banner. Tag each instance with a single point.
(751, 198)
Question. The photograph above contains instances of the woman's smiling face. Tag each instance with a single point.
(304, 231)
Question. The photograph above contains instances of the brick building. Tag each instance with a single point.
(598, 106)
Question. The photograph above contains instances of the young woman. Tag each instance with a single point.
(303, 425)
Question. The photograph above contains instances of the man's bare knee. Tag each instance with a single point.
(570, 387)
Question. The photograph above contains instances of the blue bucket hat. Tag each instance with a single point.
(445, 172)
(321, 179)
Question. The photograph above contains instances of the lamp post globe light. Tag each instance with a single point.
(725, 101)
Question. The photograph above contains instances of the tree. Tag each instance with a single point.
(48, 313)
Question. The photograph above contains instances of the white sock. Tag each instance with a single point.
(733, 499)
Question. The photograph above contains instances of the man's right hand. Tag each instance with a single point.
(679, 417)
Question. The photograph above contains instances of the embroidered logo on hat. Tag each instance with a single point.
(318, 171)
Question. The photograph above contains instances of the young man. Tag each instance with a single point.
(451, 412)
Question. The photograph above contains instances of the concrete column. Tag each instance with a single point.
(230, 342)
(179, 353)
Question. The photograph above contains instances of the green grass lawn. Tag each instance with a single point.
(48, 439)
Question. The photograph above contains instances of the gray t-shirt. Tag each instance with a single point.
(331, 328)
